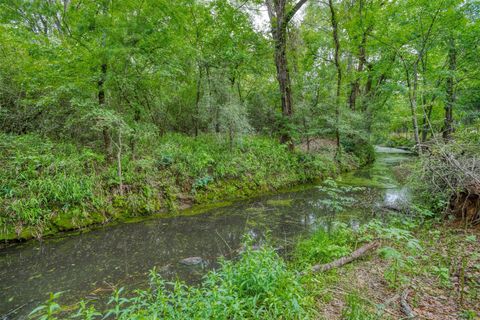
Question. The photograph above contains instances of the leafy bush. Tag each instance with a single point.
(324, 247)
(258, 286)
(360, 147)
(41, 179)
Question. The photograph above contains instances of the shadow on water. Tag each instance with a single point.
(89, 265)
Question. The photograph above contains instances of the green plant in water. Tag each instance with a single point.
(258, 286)
(337, 199)
(86, 312)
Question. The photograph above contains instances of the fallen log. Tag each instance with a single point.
(344, 260)
(406, 309)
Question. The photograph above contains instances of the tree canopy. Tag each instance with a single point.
(90, 70)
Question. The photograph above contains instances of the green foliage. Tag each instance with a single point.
(42, 179)
(51, 185)
(325, 246)
(258, 286)
(360, 147)
(49, 310)
(337, 198)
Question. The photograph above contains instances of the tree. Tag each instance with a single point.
(280, 15)
(338, 92)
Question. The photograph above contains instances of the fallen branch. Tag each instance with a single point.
(347, 259)
(406, 309)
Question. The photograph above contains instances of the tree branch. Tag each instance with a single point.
(347, 259)
(294, 10)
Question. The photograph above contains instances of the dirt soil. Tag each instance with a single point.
(429, 297)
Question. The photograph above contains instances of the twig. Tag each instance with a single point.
(406, 309)
(13, 311)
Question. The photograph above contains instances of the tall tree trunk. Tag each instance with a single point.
(413, 106)
(426, 121)
(196, 114)
(362, 61)
(107, 140)
(450, 88)
(412, 85)
(284, 83)
(279, 19)
(426, 114)
(339, 70)
(413, 88)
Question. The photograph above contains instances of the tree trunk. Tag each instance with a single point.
(347, 259)
(107, 140)
(413, 107)
(279, 19)
(426, 121)
(196, 115)
(284, 83)
(412, 97)
(362, 61)
(450, 88)
(339, 71)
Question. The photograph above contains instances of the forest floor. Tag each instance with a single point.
(442, 279)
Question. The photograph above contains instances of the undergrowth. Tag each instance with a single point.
(49, 186)
(259, 285)
(262, 285)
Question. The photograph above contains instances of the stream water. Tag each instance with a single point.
(88, 265)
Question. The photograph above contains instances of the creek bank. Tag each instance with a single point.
(123, 253)
(433, 268)
(56, 187)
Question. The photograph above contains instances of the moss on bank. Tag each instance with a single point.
(48, 187)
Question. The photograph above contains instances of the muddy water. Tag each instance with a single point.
(90, 264)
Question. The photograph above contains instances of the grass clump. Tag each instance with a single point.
(41, 180)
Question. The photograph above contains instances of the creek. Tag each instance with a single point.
(89, 265)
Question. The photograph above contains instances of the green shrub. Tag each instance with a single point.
(258, 286)
(325, 246)
(41, 179)
(359, 146)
